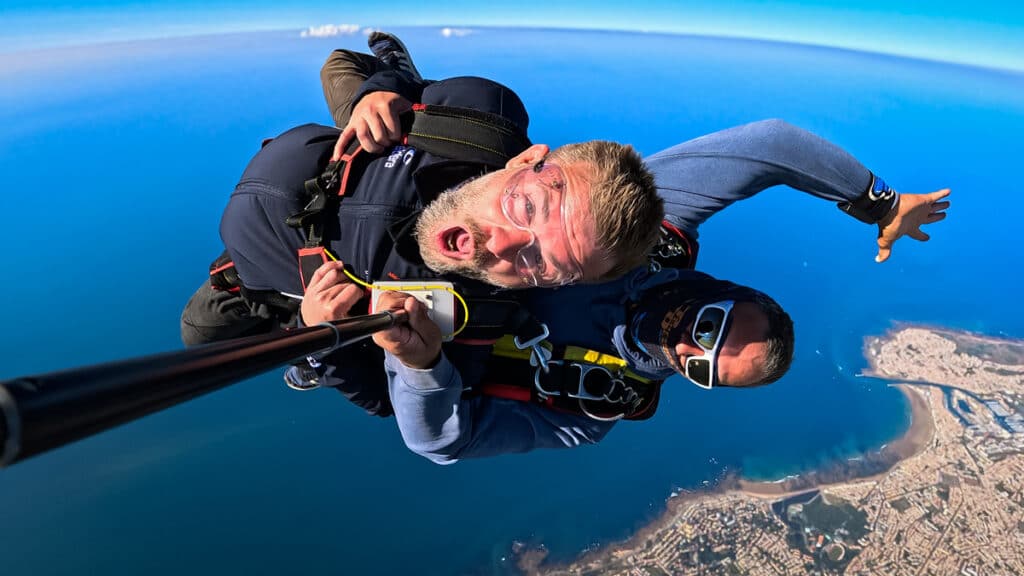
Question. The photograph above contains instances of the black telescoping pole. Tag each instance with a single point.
(39, 413)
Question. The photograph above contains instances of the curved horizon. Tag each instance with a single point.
(350, 30)
(952, 31)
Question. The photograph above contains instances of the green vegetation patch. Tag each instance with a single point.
(835, 552)
(829, 518)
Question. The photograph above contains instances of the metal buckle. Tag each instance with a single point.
(543, 392)
(539, 356)
(670, 248)
(616, 392)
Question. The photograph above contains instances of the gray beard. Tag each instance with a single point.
(454, 206)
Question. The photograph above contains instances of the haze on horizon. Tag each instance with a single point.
(989, 34)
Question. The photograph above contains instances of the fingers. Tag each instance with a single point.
(372, 131)
(381, 128)
(390, 301)
(883, 253)
(391, 125)
(375, 121)
(938, 195)
(375, 134)
(342, 297)
(330, 295)
(328, 274)
(420, 321)
(935, 217)
(416, 344)
(364, 133)
(335, 302)
(938, 206)
(396, 339)
(918, 235)
(343, 141)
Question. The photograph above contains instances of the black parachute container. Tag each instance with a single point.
(46, 411)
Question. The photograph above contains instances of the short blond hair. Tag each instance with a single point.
(623, 201)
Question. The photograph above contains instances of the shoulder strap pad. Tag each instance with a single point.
(463, 134)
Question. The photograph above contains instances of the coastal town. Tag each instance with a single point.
(947, 498)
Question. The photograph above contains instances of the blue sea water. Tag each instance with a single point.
(115, 161)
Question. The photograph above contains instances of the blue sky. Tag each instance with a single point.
(975, 32)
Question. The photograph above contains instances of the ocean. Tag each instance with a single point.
(116, 160)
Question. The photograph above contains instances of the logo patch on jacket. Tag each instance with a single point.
(403, 153)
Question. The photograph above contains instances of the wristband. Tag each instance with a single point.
(874, 204)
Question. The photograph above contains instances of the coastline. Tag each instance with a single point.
(872, 467)
(911, 443)
(869, 467)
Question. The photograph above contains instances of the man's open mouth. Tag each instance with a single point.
(456, 242)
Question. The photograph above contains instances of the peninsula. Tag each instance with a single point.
(945, 498)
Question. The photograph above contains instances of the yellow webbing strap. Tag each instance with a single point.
(506, 347)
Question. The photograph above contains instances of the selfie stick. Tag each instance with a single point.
(46, 411)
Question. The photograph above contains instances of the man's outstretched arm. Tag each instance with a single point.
(699, 178)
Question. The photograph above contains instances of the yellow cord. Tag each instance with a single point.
(465, 306)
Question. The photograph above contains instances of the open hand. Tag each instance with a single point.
(329, 296)
(417, 344)
(375, 122)
(912, 212)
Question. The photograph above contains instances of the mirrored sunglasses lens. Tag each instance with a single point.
(708, 327)
(699, 370)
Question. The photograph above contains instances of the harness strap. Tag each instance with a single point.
(331, 183)
(323, 192)
(309, 260)
(577, 380)
(505, 348)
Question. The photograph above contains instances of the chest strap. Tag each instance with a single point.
(324, 192)
(577, 380)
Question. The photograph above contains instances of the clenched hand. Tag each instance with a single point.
(417, 344)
